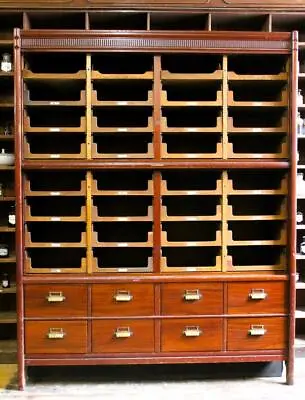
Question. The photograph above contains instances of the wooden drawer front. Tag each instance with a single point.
(129, 299)
(196, 334)
(55, 300)
(257, 333)
(192, 299)
(257, 297)
(58, 337)
(122, 336)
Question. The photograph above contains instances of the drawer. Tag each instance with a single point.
(122, 299)
(195, 334)
(122, 336)
(257, 333)
(257, 297)
(192, 298)
(55, 300)
(55, 337)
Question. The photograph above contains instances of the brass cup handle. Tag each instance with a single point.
(123, 296)
(55, 297)
(257, 330)
(192, 331)
(258, 294)
(56, 333)
(192, 295)
(123, 332)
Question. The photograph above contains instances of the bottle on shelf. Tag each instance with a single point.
(6, 63)
(1, 190)
(300, 183)
(300, 125)
(300, 101)
(299, 217)
(7, 129)
(5, 281)
(4, 250)
(12, 216)
(302, 246)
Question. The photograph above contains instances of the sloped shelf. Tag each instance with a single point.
(7, 198)
(140, 218)
(148, 192)
(281, 216)
(282, 128)
(104, 268)
(173, 76)
(300, 226)
(42, 156)
(280, 266)
(45, 193)
(6, 104)
(283, 102)
(283, 153)
(217, 154)
(283, 189)
(97, 129)
(300, 313)
(29, 75)
(176, 103)
(300, 285)
(169, 218)
(55, 129)
(282, 241)
(282, 76)
(96, 243)
(96, 75)
(28, 267)
(7, 229)
(29, 243)
(8, 317)
(193, 243)
(300, 256)
(165, 191)
(149, 154)
(134, 103)
(54, 103)
(167, 129)
(30, 218)
(196, 268)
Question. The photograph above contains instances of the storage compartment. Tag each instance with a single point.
(191, 259)
(56, 234)
(122, 183)
(257, 333)
(191, 63)
(257, 297)
(270, 232)
(55, 260)
(123, 90)
(192, 335)
(122, 259)
(55, 337)
(55, 62)
(55, 300)
(254, 64)
(122, 208)
(122, 336)
(260, 207)
(122, 299)
(198, 233)
(122, 234)
(122, 63)
(55, 183)
(192, 298)
(182, 182)
(191, 117)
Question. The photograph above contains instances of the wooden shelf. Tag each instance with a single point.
(96, 243)
(10, 290)
(27, 128)
(8, 317)
(97, 129)
(96, 75)
(128, 103)
(282, 241)
(96, 192)
(8, 347)
(283, 102)
(191, 218)
(7, 138)
(166, 243)
(300, 257)
(300, 226)
(140, 218)
(8, 198)
(282, 128)
(54, 103)
(55, 245)
(166, 129)
(7, 229)
(166, 192)
(53, 193)
(175, 103)
(28, 217)
(8, 260)
(171, 76)
(29, 75)
(149, 154)
(282, 76)
(7, 168)
(300, 285)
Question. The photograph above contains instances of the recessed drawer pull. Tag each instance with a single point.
(123, 296)
(257, 330)
(258, 294)
(55, 297)
(56, 333)
(192, 295)
(192, 331)
(123, 332)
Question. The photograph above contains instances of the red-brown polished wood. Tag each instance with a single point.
(248, 297)
(53, 300)
(174, 298)
(104, 337)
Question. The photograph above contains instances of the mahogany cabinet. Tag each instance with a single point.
(155, 196)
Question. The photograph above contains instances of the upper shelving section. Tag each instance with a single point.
(149, 105)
